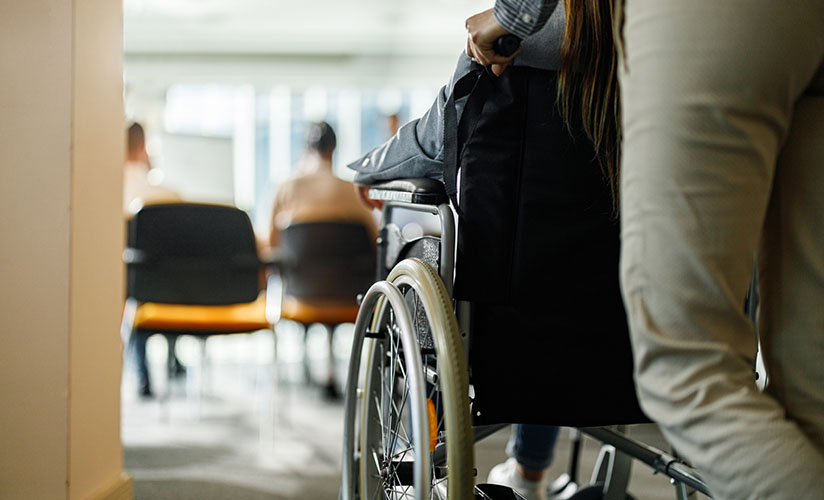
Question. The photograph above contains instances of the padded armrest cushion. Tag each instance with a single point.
(418, 191)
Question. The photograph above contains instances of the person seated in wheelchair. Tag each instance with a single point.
(537, 212)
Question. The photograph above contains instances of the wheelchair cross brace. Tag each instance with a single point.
(613, 467)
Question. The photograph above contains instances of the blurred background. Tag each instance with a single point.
(225, 89)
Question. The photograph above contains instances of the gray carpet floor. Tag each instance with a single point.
(233, 433)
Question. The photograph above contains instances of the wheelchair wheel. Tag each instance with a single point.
(407, 426)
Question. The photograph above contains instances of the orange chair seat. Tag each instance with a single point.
(246, 317)
(327, 312)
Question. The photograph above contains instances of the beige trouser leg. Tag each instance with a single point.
(722, 153)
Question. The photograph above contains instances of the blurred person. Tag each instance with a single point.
(315, 194)
(137, 192)
(393, 123)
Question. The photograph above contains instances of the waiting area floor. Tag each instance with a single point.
(231, 434)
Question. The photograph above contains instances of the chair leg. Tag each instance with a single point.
(170, 357)
(331, 389)
(307, 369)
(273, 413)
(134, 348)
(275, 380)
(127, 322)
(173, 364)
(195, 394)
(173, 368)
(138, 343)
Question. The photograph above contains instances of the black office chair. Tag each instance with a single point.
(324, 266)
(192, 269)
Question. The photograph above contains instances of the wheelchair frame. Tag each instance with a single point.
(450, 327)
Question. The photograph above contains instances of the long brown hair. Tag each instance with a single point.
(588, 82)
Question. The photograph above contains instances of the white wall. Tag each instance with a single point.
(199, 168)
(61, 151)
(357, 43)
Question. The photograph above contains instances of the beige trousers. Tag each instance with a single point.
(723, 161)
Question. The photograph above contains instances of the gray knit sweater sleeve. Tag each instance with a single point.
(523, 17)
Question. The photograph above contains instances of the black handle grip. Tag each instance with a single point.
(506, 45)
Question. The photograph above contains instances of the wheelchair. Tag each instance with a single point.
(409, 429)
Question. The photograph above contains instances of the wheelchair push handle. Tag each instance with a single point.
(506, 45)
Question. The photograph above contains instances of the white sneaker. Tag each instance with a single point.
(507, 475)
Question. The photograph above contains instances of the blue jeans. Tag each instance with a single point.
(532, 446)
(138, 341)
(138, 345)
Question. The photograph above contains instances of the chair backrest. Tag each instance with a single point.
(327, 260)
(186, 253)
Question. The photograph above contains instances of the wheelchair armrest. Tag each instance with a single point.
(418, 191)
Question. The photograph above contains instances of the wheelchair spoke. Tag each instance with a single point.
(399, 427)
(380, 404)
(415, 314)
(377, 461)
(378, 490)
(379, 397)
(392, 373)
(392, 436)
(380, 414)
(391, 406)
(402, 369)
(394, 417)
(397, 477)
(400, 454)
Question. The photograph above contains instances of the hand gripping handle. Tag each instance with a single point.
(506, 45)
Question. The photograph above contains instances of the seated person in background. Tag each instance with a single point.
(137, 192)
(315, 193)
(137, 188)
